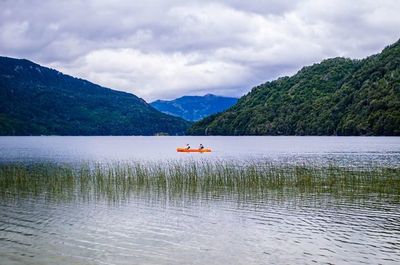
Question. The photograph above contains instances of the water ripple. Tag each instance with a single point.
(220, 230)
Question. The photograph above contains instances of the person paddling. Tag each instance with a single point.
(201, 147)
(187, 146)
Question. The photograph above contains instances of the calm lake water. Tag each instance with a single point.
(347, 151)
(153, 227)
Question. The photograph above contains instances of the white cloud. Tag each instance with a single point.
(165, 49)
(158, 75)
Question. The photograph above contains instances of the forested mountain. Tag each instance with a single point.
(335, 97)
(36, 100)
(194, 108)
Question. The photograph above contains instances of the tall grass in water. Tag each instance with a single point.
(117, 181)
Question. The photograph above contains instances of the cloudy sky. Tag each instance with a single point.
(160, 49)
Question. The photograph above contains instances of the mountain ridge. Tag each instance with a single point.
(36, 100)
(193, 108)
(338, 96)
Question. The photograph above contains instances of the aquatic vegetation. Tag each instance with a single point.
(117, 181)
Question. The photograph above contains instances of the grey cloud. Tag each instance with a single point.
(164, 49)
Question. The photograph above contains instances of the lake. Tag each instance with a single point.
(152, 225)
(346, 151)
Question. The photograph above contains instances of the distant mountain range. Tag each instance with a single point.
(36, 100)
(335, 97)
(194, 108)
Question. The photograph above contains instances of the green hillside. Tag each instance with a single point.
(335, 97)
(36, 100)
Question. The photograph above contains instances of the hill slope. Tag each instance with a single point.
(335, 97)
(36, 100)
(194, 108)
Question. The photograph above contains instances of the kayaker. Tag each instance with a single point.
(187, 146)
(201, 146)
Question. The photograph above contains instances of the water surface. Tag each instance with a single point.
(153, 226)
(219, 230)
(347, 151)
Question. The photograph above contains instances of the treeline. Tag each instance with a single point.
(35, 100)
(335, 97)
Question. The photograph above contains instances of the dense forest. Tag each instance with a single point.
(35, 100)
(335, 97)
(194, 108)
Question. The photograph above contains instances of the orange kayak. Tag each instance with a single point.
(179, 149)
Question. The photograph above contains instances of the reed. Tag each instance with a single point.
(117, 181)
